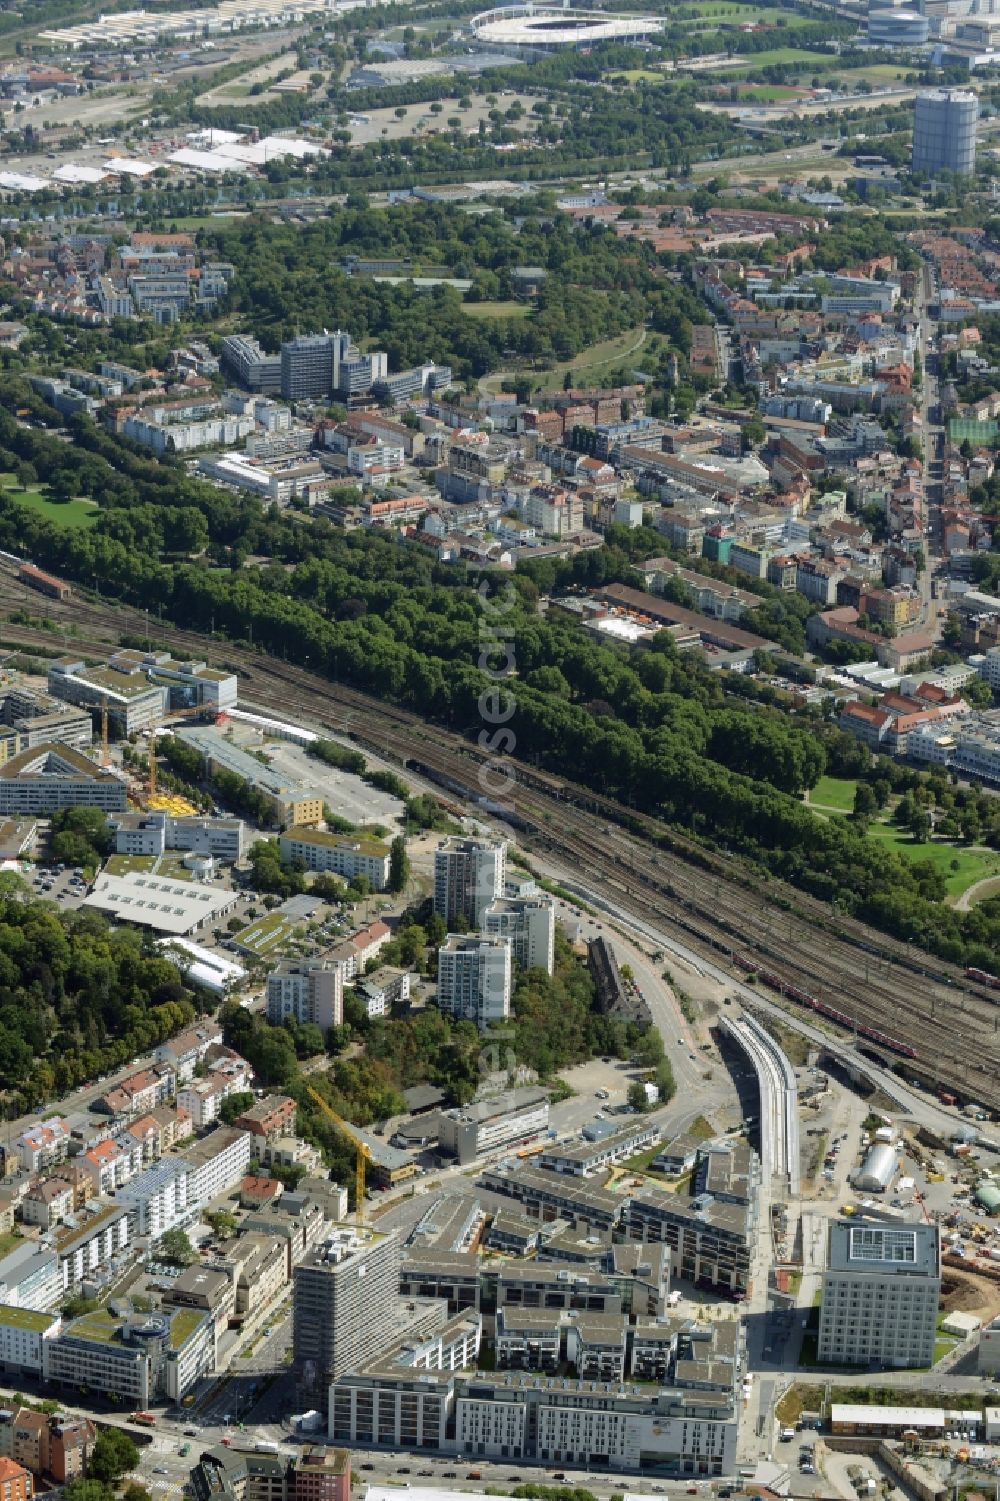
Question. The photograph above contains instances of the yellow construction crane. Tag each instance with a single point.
(171, 714)
(362, 1151)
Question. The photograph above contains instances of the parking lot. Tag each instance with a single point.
(347, 795)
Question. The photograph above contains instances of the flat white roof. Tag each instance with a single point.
(174, 907)
(226, 968)
(205, 161)
(130, 165)
(71, 172)
(906, 1417)
(22, 182)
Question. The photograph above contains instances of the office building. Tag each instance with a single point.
(307, 367)
(474, 978)
(310, 990)
(133, 702)
(346, 1304)
(346, 855)
(468, 876)
(153, 833)
(474, 1130)
(880, 1295)
(250, 366)
(530, 924)
(141, 1357)
(944, 132)
(52, 776)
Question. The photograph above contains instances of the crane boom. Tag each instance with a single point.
(362, 1152)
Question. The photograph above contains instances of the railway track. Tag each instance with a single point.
(649, 870)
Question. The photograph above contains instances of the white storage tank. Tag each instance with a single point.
(878, 1169)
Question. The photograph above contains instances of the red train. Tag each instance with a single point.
(982, 977)
(805, 999)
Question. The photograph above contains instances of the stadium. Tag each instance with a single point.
(545, 29)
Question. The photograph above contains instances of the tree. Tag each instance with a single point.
(222, 1222)
(235, 1104)
(88, 1490)
(920, 825)
(399, 864)
(175, 1246)
(112, 1456)
(637, 1097)
(865, 802)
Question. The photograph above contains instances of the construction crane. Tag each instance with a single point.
(363, 1152)
(171, 714)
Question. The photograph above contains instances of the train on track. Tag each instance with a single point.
(750, 966)
(982, 977)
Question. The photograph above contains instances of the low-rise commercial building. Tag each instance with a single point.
(344, 855)
(474, 1130)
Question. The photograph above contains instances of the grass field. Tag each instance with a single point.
(509, 309)
(972, 865)
(591, 363)
(767, 93)
(74, 513)
(960, 867)
(834, 792)
(776, 55)
(879, 74)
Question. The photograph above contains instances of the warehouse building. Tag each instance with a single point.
(53, 776)
(152, 901)
(880, 1295)
(290, 804)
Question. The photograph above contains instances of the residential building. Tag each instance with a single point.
(345, 1304)
(23, 1333)
(473, 1131)
(469, 874)
(160, 1198)
(530, 925)
(91, 1246)
(43, 1145)
(587, 1157)
(16, 1483)
(383, 989)
(944, 132)
(322, 1475)
(217, 1162)
(184, 1052)
(880, 1295)
(310, 990)
(474, 978)
(307, 367)
(269, 1118)
(345, 855)
(29, 1278)
(47, 1202)
(53, 776)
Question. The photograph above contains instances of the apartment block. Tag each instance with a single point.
(474, 978)
(468, 877)
(383, 989)
(345, 1304)
(218, 1161)
(343, 854)
(310, 990)
(530, 925)
(880, 1295)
